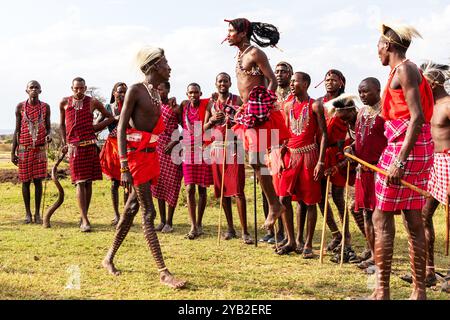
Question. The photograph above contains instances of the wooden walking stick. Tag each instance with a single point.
(255, 208)
(325, 215)
(223, 179)
(344, 224)
(380, 171)
(447, 238)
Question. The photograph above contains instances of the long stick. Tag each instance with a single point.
(376, 169)
(344, 224)
(447, 239)
(45, 186)
(325, 215)
(255, 208)
(44, 198)
(223, 181)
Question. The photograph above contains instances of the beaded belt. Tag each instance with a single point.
(31, 148)
(304, 149)
(146, 150)
(84, 143)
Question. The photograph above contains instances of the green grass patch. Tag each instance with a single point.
(35, 263)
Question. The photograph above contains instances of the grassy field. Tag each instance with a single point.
(35, 263)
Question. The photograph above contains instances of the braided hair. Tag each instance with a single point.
(263, 34)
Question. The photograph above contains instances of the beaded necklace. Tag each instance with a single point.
(33, 126)
(255, 71)
(299, 125)
(367, 122)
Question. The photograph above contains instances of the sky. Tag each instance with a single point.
(56, 41)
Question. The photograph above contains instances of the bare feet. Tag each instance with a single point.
(169, 280)
(274, 215)
(109, 265)
(160, 227)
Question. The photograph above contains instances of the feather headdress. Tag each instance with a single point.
(435, 72)
(405, 33)
(343, 102)
(148, 57)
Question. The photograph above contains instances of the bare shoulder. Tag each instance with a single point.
(19, 108)
(317, 104)
(258, 54)
(409, 71)
(136, 87)
(64, 102)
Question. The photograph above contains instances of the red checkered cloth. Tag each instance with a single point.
(32, 163)
(258, 109)
(84, 160)
(440, 177)
(79, 123)
(417, 170)
(169, 183)
(195, 169)
(199, 174)
(261, 126)
(234, 184)
(85, 164)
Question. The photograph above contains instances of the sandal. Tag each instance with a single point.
(85, 229)
(200, 231)
(191, 235)
(334, 244)
(349, 255)
(160, 227)
(282, 243)
(352, 257)
(429, 282)
(229, 235)
(308, 254)
(167, 229)
(286, 250)
(365, 255)
(366, 264)
(247, 239)
(299, 248)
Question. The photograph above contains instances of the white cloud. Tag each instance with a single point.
(341, 19)
(70, 46)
